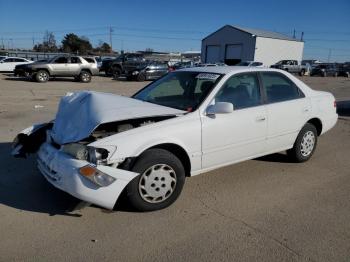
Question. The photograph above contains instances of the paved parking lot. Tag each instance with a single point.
(265, 209)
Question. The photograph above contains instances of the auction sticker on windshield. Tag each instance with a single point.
(207, 76)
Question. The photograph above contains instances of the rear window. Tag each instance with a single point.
(279, 88)
(89, 60)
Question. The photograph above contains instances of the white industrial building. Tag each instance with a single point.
(232, 44)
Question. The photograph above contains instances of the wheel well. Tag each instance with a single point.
(180, 153)
(87, 70)
(42, 69)
(316, 123)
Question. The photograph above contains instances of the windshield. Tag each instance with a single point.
(180, 90)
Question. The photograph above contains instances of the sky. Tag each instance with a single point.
(177, 25)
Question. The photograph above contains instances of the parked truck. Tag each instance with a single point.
(291, 66)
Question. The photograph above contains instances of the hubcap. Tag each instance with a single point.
(157, 183)
(42, 76)
(307, 143)
(85, 77)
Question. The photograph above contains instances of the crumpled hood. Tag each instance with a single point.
(79, 114)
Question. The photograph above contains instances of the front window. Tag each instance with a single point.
(180, 90)
(241, 90)
(61, 60)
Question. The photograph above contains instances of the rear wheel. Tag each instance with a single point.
(160, 182)
(302, 72)
(116, 72)
(85, 77)
(42, 76)
(304, 145)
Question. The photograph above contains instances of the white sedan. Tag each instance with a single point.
(8, 64)
(186, 123)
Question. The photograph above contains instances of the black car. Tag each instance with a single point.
(344, 69)
(151, 71)
(329, 69)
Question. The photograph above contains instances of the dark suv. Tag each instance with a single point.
(326, 69)
(123, 64)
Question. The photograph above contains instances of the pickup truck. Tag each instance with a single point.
(60, 66)
(291, 66)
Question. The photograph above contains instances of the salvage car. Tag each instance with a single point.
(186, 123)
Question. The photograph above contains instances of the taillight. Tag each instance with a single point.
(335, 104)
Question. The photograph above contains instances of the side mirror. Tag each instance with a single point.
(220, 108)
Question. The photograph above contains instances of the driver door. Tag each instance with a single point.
(241, 134)
(60, 66)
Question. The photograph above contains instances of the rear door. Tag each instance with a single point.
(287, 109)
(74, 66)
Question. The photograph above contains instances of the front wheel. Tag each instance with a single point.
(304, 145)
(42, 76)
(160, 182)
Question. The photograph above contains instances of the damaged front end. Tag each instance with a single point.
(65, 155)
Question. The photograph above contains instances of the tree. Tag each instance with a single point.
(75, 44)
(103, 47)
(48, 44)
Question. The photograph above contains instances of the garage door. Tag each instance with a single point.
(213, 54)
(233, 54)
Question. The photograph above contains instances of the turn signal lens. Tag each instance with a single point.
(96, 176)
(87, 170)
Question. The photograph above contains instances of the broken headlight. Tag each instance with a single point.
(87, 153)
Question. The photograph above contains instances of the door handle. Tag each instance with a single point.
(260, 118)
(306, 109)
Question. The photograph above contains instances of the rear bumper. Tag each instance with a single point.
(62, 171)
(329, 123)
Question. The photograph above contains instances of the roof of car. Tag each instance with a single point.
(226, 69)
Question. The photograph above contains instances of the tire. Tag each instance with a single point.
(116, 72)
(304, 145)
(302, 72)
(42, 76)
(164, 172)
(85, 77)
(141, 77)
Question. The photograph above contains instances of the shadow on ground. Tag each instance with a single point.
(343, 108)
(22, 187)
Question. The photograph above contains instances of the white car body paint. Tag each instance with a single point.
(6, 66)
(209, 141)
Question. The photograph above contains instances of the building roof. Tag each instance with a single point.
(260, 33)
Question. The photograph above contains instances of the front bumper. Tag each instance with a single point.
(62, 171)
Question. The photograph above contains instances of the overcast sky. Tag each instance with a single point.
(177, 25)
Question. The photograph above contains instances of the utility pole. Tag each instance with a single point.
(110, 38)
(33, 41)
(302, 36)
(2, 43)
(329, 54)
